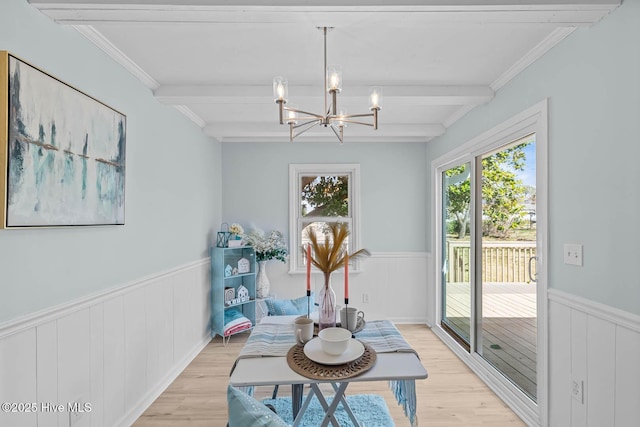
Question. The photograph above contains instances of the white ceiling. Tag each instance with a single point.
(214, 60)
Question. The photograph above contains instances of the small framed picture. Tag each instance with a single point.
(229, 294)
(243, 266)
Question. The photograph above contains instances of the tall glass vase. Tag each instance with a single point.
(327, 303)
(262, 281)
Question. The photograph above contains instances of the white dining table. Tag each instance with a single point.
(274, 370)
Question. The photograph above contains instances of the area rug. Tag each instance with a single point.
(370, 411)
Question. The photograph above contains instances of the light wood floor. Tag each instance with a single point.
(451, 396)
(508, 327)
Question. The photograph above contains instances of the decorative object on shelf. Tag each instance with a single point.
(62, 152)
(234, 271)
(222, 240)
(241, 296)
(267, 247)
(235, 243)
(227, 271)
(229, 294)
(243, 292)
(328, 257)
(234, 322)
(237, 301)
(243, 266)
(234, 239)
(236, 230)
(336, 120)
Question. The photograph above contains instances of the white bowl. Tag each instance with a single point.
(334, 341)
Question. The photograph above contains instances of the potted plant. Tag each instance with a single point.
(328, 256)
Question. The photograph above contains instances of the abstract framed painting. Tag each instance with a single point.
(62, 152)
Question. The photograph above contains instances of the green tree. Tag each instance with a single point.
(325, 196)
(459, 198)
(503, 194)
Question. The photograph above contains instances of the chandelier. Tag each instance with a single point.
(300, 121)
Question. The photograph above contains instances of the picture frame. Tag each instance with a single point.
(244, 266)
(62, 152)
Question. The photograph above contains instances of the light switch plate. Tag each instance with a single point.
(573, 254)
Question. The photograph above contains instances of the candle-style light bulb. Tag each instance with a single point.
(280, 89)
(292, 117)
(341, 115)
(334, 81)
(334, 78)
(375, 98)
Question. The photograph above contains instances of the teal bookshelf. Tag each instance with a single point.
(226, 273)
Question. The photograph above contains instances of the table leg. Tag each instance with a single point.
(298, 419)
(297, 393)
(346, 406)
(330, 409)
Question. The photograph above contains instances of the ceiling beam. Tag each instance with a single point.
(544, 12)
(327, 138)
(262, 130)
(262, 94)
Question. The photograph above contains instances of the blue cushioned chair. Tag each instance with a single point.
(245, 411)
(290, 307)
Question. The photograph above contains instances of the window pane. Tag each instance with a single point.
(324, 195)
(321, 230)
(321, 194)
(456, 252)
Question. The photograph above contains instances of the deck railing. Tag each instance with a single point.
(505, 262)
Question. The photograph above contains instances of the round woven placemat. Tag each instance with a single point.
(304, 366)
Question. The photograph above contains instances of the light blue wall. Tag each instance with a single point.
(592, 80)
(172, 182)
(393, 186)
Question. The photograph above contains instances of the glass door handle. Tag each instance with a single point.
(533, 279)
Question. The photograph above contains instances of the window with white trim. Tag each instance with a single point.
(320, 194)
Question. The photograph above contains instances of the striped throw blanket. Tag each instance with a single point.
(268, 339)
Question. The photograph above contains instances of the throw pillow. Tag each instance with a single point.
(287, 307)
(245, 411)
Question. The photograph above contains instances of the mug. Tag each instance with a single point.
(350, 317)
(303, 329)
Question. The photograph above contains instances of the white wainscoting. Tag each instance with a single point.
(597, 345)
(397, 284)
(117, 350)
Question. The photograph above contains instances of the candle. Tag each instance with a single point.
(308, 267)
(346, 276)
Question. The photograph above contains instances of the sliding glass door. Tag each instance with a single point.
(507, 310)
(456, 253)
(489, 240)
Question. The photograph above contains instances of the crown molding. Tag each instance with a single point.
(540, 49)
(191, 115)
(110, 49)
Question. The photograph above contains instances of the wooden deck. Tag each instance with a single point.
(508, 329)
